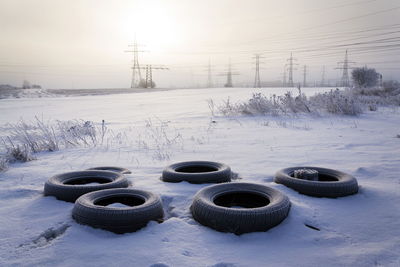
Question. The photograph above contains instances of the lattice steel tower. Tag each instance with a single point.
(136, 74)
(305, 76)
(209, 80)
(291, 68)
(345, 81)
(257, 82)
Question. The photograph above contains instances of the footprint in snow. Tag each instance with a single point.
(47, 236)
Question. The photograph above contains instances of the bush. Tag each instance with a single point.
(335, 101)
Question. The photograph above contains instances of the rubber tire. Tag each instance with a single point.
(239, 220)
(346, 184)
(112, 168)
(221, 175)
(56, 186)
(117, 220)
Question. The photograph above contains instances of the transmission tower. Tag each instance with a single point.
(148, 82)
(323, 76)
(257, 82)
(291, 68)
(284, 76)
(209, 79)
(136, 74)
(229, 75)
(305, 76)
(345, 81)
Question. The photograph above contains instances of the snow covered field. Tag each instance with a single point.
(151, 130)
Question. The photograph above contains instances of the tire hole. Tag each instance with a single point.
(241, 200)
(87, 180)
(116, 201)
(196, 169)
(327, 178)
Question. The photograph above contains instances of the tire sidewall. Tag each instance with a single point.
(345, 184)
(56, 186)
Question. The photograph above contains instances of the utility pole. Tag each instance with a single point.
(291, 68)
(136, 74)
(305, 76)
(257, 82)
(323, 76)
(345, 81)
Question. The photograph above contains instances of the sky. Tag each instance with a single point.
(82, 44)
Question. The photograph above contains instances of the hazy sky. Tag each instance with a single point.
(80, 44)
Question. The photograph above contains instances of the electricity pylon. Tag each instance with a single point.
(345, 81)
(284, 76)
(148, 82)
(257, 82)
(209, 79)
(229, 75)
(136, 74)
(323, 76)
(305, 76)
(291, 68)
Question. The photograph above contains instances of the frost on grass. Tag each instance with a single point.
(25, 139)
(342, 102)
(3, 163)
(158, 138)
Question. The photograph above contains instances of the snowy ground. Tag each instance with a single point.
(152, 130)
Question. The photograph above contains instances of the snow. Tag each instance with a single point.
(358, 230)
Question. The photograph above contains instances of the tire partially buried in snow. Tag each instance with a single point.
(112, 168)
(71, 185)
(197, 172)
(331, 183)
(139, 207)
(240, 207)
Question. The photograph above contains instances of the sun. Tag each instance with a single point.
(152, 23)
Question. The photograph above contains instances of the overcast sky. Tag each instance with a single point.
(80, 44)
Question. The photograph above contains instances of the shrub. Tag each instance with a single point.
(335, 101)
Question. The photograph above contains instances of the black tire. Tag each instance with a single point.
(261, 208)
(71, 185)
(112, 168)
(331, 183)
(90, 209)
(197, 172)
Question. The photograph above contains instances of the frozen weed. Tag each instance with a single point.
(348, 102)
(3, 163)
